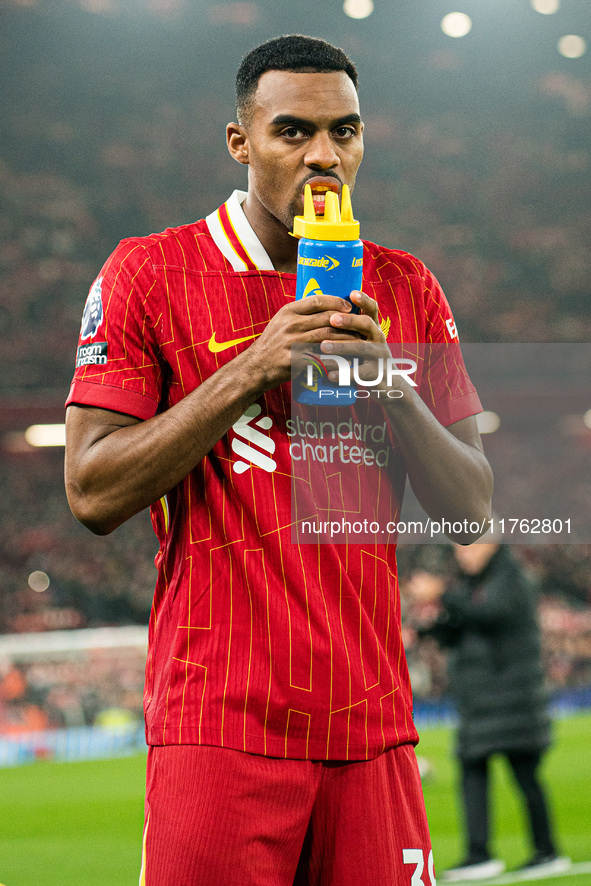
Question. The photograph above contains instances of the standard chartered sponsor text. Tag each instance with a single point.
(330, 442)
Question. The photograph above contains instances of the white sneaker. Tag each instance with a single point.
(482, 870)
(549, 864)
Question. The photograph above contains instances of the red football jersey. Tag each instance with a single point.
(256, 643)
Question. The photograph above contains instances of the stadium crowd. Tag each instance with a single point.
(498, 211)
(60, 692)
(91, 583)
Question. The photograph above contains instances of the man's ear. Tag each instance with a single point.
(237, 141)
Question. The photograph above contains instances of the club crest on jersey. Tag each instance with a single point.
(93, 311)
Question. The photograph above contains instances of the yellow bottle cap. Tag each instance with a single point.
(335, 224)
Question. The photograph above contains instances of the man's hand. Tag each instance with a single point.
(307, 321)
(368, 344)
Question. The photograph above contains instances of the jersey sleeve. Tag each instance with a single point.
(117, 359)
(447, 388)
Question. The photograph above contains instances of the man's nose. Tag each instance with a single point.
(321, 153)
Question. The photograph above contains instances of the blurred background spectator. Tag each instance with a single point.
(487, 620)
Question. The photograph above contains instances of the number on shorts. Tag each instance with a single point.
(416, 857)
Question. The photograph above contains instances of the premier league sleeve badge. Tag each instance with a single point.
(93, 311)
(93, 353)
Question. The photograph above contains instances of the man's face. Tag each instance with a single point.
(303, 128)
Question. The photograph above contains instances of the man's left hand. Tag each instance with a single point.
(371, 345)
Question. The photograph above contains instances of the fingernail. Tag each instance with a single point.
(327, 347)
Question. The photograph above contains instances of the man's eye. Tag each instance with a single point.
(344, 132)
(292, 132)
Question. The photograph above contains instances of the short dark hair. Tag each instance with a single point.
(292, 52)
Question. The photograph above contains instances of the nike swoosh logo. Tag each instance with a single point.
(216, 346)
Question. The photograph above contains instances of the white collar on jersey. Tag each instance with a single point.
(247, 237)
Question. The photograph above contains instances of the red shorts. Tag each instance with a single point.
(218, 817)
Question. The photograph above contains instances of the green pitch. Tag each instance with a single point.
(80, 824)
(72, 824)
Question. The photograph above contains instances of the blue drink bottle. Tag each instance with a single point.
(330, 262)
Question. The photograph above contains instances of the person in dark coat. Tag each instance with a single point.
(489, 624)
